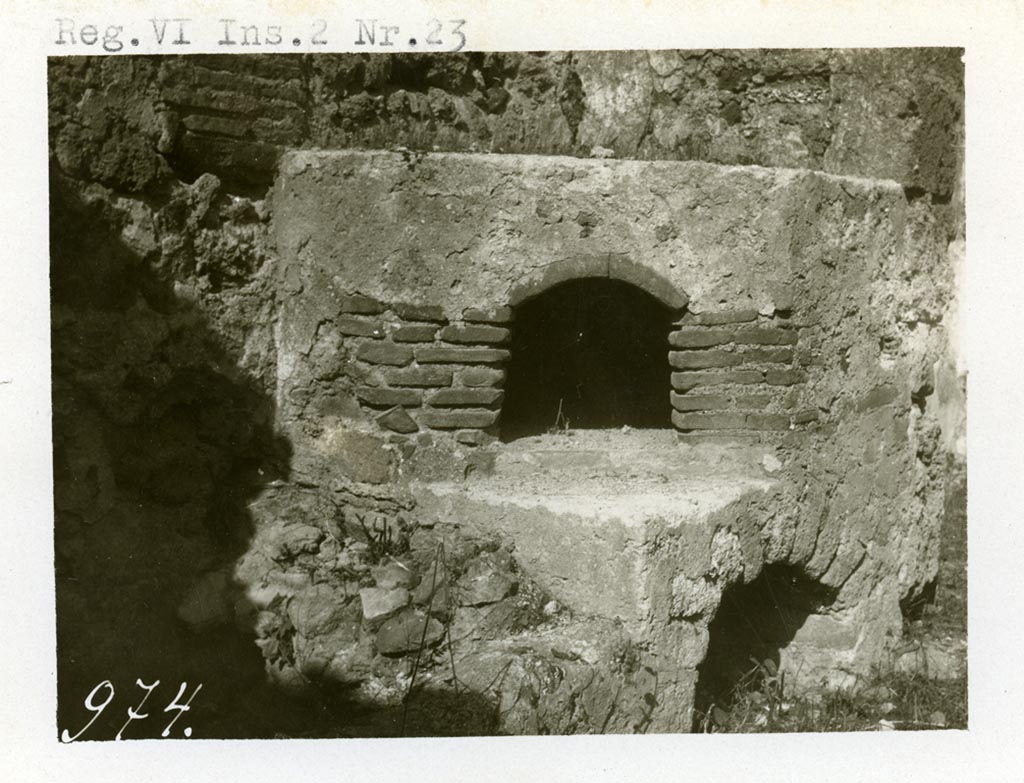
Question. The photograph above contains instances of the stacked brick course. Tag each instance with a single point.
(731, 370)
(418, 370)
(236, 114)
(233, 115)
(735, 370)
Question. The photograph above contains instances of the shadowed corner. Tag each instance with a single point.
(160, 442)
(754, 623)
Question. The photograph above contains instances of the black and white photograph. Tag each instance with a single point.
(509, 393)
(403, 384)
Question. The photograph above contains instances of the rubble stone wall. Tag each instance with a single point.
(797, 295)
(888, 114)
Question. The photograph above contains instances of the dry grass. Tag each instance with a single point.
(895, 701)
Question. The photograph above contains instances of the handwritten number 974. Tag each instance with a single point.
(101, 696)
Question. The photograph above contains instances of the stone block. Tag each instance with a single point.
(700, 360)
(784, 377)
(357, 327)
(209, 602)
(494, 315)
(933, 661)
(393, 574)
(876, 398)
(384, 353)
(413, 312)
(397, 420)
(357, 455)
(458, 418)
(438, 354)
(709, 421)
(683, 381)
(767, 421)
(481, 376)
(381, 602)
(483, 589)
(317, 610)
(700, 338)
(475, 334)
(458, 397)
(361, 305)
(824, 631)
(621, 266)
(766, 336)
(419, 376)
(296, 539)
(752, 400)
(805, 417)
(768, 356)
(389, 397)
(473, 438)
(702, 402)
(414, 334)
(721, 317)
(406, 631)
(573, 268)
(487, 579)
(433, 591)
(278, 583)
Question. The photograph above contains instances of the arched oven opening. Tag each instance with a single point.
(590, 353)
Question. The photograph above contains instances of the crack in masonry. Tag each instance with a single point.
(648, 128)
(316, 335)
(611, 709)
(826, 504)
(568, 96)
(305, 85)
(860, 561)
(835, 555)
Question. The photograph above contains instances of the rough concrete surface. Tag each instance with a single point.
(292, 297)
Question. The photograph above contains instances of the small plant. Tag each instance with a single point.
(440, 574)
(755, 703)
(561, 421)
(277, 636)
(380, 537)
(883, 702)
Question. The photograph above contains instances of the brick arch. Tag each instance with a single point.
(613, 266)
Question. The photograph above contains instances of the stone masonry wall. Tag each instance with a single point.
(887, 114)
(487, 233)
(796, 273)
(206, 496)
